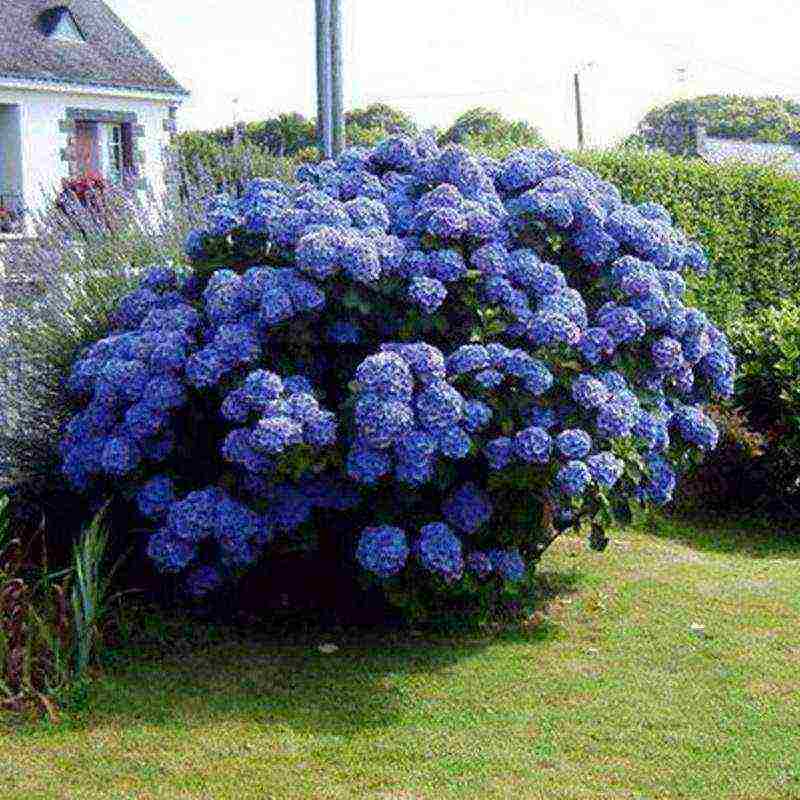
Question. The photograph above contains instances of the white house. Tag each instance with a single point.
(79, 93)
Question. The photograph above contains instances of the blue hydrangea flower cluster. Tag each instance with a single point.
(406, 332)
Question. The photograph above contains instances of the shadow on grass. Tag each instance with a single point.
(221, 676)
(754, 537)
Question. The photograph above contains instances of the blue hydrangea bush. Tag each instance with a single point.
(455, 358)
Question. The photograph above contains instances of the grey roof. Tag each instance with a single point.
(780, 156)
(111, 56)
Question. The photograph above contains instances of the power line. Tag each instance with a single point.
(613, 21)
(529, 87)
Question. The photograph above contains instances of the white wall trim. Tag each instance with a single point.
(26, 84)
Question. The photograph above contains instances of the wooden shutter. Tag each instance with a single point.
(85, 144)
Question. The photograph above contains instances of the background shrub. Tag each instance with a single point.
(763, 119)
(483, 128)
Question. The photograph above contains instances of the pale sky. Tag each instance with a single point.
(435, 58)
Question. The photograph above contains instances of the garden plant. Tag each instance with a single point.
(440, 359)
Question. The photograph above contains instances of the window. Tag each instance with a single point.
(59, 24)
(116, 154)
(105, 148)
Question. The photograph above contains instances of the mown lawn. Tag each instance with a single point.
(611, 694)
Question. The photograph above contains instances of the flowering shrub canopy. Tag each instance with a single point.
(462, 355)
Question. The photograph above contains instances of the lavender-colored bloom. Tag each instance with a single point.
(489, 378)
(589, 392)
(275, 434)
(439, 406)
(204, 369)
(479, 564)
(606, 469)
(490, 259)
(427, 293)
(499, 452)
(508, 564)
(666, 353)
(382, 550)
(203, 581)
(573, 478)
(439, 551)
(165, 393)
(427, 363)
(170, 554)
(155, 497)
(652, 430)
(446, 266)
(121, 456)
(574, 444)
(453, 442)
(697, 427)
(468, 358)
(615, 420)
(660, 484)
(194, 518)
(236, 406)
(548, 328)
(143, 421)
(386, 375)
(623, 324)
(380, 423)
(468, 508)
(596, 344)
(533, 445)
(477, 415)
(367, 465)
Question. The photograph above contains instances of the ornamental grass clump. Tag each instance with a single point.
(454, 357)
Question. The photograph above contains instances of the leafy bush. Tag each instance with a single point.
(763, 119)
(483, 128)
(768, 345)
(436, 361)
(744, 217)
(379, 117)
(291, 134)
(732, 479)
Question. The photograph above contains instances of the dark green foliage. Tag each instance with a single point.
(482, 127)
(762, 119)
(768, 344)
(291, 135)
(734, 478)
(746, 218)
(381, 117)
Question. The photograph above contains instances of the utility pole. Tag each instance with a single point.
(337, 77)
(324, 82)
(578, 109)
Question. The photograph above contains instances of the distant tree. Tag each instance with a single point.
(762, 119)
(483, 127)
(379, 116)
(283, 135)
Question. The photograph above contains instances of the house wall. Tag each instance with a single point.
(10, 149)
(45, 125)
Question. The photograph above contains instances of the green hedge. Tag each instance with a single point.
(747, 219)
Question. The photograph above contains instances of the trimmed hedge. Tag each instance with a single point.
(746, 218)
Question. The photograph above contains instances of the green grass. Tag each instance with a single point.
(607, 694)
